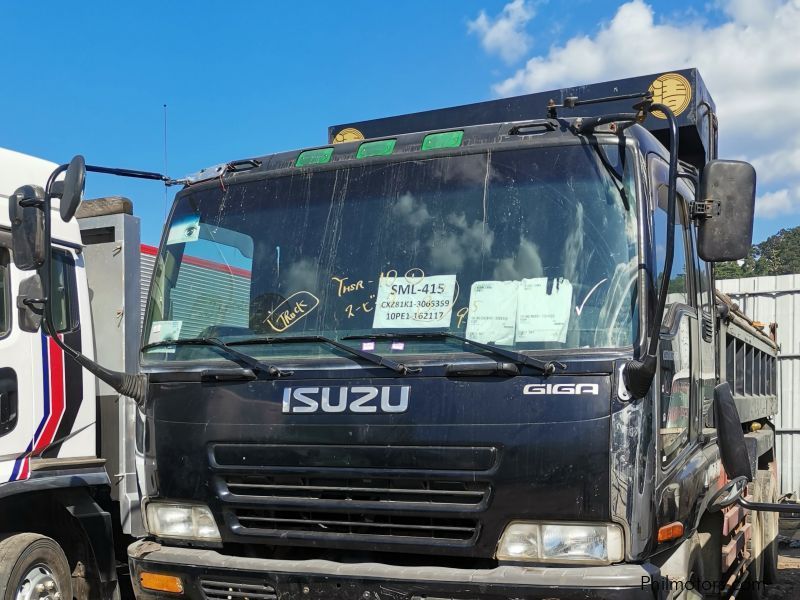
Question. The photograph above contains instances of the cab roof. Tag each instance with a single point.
(418, 145)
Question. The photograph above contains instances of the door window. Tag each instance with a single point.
(63, 292)
(676, 391)
(5, 294)
(679, 283)
(708, 370)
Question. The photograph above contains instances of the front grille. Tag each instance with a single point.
(224, 590)
(367, 491)
(364, 495)
(388, 526)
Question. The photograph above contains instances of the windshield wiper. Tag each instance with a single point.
(233, 354)
(299, 339)
(546, 367)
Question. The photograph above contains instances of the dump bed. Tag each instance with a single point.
(748, 360)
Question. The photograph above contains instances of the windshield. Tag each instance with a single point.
(530, 249)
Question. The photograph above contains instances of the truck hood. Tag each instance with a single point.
(409, 464)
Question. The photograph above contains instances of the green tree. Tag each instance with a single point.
(779, 254)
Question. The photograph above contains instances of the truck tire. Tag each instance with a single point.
(767, 480)
(33, 567)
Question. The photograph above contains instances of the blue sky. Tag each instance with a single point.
(249, 79)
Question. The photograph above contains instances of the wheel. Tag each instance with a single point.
(768, 482)
(33, 567)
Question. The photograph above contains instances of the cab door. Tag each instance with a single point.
(21, 394)
(41, 390)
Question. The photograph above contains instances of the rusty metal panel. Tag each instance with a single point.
(777, 299)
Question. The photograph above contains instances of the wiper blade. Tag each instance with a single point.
(546, 367)
(233, 354)
(506, 369)
(376, 359)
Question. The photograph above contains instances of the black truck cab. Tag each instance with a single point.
(401, 373)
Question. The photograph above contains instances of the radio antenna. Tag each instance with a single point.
(166, 170)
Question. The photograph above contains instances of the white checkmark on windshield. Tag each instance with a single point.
(579, 309)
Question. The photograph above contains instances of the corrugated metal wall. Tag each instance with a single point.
(204, 292)
(146, 265)
(205, 295)
(777, 299)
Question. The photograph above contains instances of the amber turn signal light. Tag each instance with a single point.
(161, 583)
(670, 532)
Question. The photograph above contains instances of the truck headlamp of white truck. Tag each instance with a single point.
(562, 543)
(181, 521)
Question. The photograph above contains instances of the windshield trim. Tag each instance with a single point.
(264, 173)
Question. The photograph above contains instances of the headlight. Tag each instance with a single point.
(579, 543)
(181, 521)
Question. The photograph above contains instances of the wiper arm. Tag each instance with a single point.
(250, 361)
(376, 359)
(546, 367)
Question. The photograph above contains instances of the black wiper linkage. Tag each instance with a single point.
(546, 367)
(299, 339)
(250, 361)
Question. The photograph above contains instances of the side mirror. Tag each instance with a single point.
(730, 437)
(730, 493)
(30, 303)
(27, 227)
(728, 187)
(71, 192)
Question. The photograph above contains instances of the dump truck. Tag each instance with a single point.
(467, 353)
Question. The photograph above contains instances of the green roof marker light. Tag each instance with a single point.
(314, 157)
(378, 148)
(448, 139)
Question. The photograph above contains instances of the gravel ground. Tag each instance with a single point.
(788, 588)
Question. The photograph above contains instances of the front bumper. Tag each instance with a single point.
(209, 575)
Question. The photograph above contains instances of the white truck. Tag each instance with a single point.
(69, 501)
(67, 478)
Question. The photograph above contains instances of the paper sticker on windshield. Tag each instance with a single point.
(187, 229)
(543, 310)
(492, 316)
(408, 302)
(163, 331)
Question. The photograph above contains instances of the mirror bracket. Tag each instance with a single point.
(31, 303)
(787, 508)
(638, 375)
(32, 203)
(705, 209)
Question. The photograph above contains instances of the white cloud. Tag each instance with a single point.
(775, 165)
(413, 212)
(750, 62)
(775, 204)
(505, 34)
